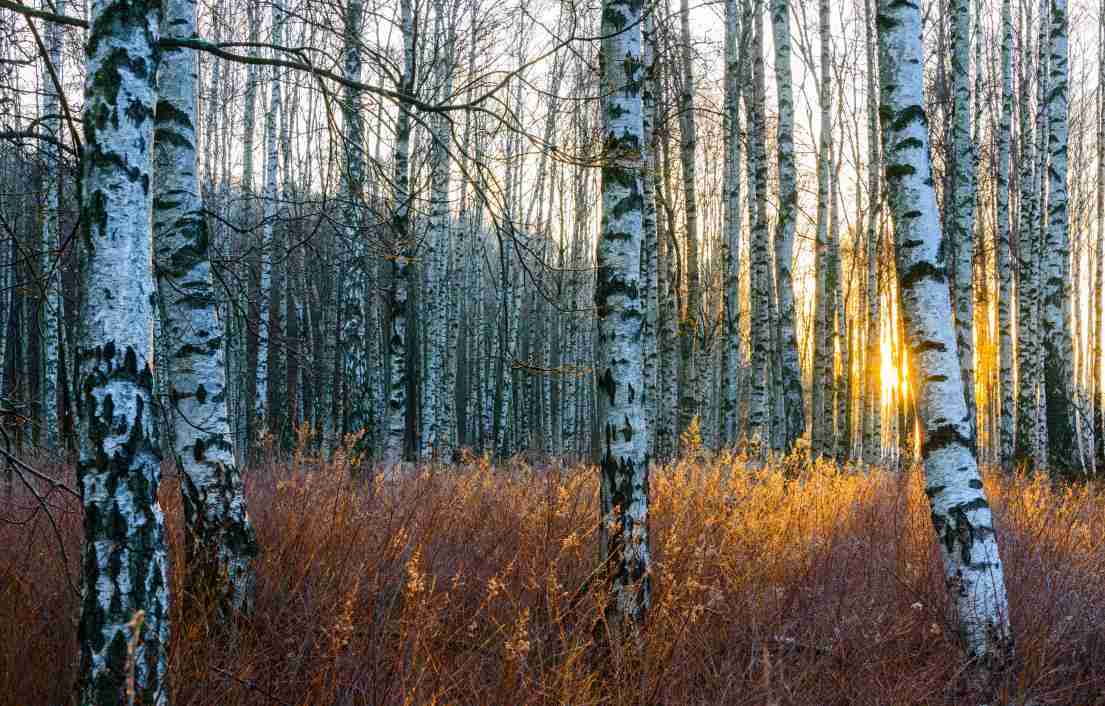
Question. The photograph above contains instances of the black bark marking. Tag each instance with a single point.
(921, 271)
(943, 436)
(607, 385)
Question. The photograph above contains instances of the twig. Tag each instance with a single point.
(24, 468)
(249, 684)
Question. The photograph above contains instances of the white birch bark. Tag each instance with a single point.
(840, 412)
(649, 245)
(872, 409)
(960, 513)
(219, 538)
(961, 221)
(355, 330)
(1098, 288)
(1028, 249)
(327, 393)
(688, 324)
(453, 264)
(668, 283)
(125, 588)
(51, 239)
(437, 440)
(794, 424)
(241, 385)
(264, 292)
(822, 413)
(759, 397)
(624, 432)
(1039, 227)
(290, 351)
(731, 306)
(249, 115)
(400, 258)
(1058, 344)
(1004, 252)
(211, 113)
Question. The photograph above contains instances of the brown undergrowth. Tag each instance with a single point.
(466, 585)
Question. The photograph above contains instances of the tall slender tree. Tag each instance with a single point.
(619, 364)
(650, 270)
(355, 331)
(961, 209)
(400, 255)
(689, 325)
(51, 237)
(438, 427)
(1098, 289)
(732, 361)
(1058, 344)
(1003, 244)
(125, 589)
(1028, 251)
(759, 399)
(244, 377)
(266, 252)
(960, 512)
(824, 285)
(219, 539)
(786, 323)
(872, 409)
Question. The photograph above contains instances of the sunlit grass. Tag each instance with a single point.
(784, 585)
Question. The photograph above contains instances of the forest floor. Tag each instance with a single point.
(466, 585)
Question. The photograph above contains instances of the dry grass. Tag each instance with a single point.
(461, 586)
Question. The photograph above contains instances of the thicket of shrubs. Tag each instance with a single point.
(470, 585)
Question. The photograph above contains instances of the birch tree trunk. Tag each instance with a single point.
(759, 254)
(219, 538)
(872, 409)
(449, 262)
(1004, 252)
(400, 258)
(688, 325)
(624, 441)
(51, 240)
(649, 245)
(667, 424)
(961, 219)
(731, 306)
(438, 429)
(1039, 226)
(786, 324)
(840, 406)
(327, 394)
(1098, 288)
(1058, 344)
(125, 589)
(355, 328)
(960, 513)
(1028, 292)
(824, 291)
(264, 293)
(246, 392)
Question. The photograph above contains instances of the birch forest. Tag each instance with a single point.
(552, 352)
